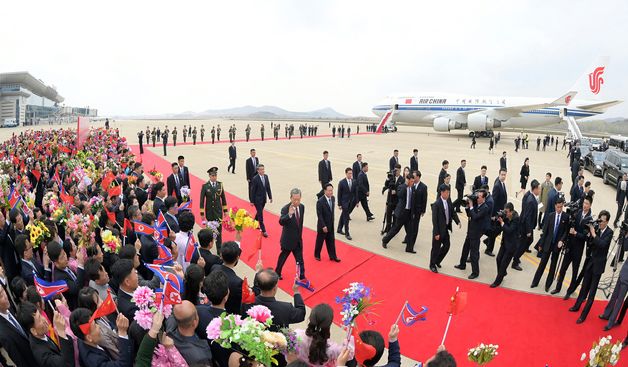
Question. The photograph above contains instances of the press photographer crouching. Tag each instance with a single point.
(508, 219)
(597, 250)
(574, 246)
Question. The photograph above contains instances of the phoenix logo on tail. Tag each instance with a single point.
(596, 80)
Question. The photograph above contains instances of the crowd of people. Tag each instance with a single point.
(88, 238)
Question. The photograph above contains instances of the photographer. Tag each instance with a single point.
(500, 197)
(393, 180)
(551, 242)
(578, 234)
(594, 264)
(508, 219)
(479, 221)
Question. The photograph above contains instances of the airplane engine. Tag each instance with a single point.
(445, 124)
(482, 122)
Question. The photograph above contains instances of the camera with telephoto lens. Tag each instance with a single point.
(473, 197)
(501, 214)
(593, 222)
(390, 183)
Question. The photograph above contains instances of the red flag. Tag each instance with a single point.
(128, 226)
(457, 303)
(115, 191)
(363, 351)
(64, 149)
(107, 307)
(248, 296)
(257, 246)
(107, 180)
(22, 165)
(110, 215)
(16, 160)
(36, 173)
(65, 197)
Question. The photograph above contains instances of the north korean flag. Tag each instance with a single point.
(14, 198)
(190, 248)
(142, 228)
(48, 290)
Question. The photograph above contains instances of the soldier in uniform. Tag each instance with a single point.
(202, 133)
(185, 135)
(140, 135)
(174, 136)
(213, 134)
(248, 132)
(213, 202)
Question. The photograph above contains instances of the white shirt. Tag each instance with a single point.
(446, 209)
(181, 241)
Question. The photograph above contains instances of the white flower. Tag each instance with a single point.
(584, 356)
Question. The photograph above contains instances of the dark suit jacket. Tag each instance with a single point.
(324, 172)
(15, 344)
(392, 162)
(502, 163)
(234, 302)
(576, 192)
(94, 357)
(125, 306)
(148, 253)
(414, 164)
(325, 214)
(232, 152)
(478, 182)
(347, 198)
(598, 251)
(461, 179)
(441, 178)
(529, 213)
(480, 220)
(73, 285)
(251, 168)
(10, 260)
(511, 233)
(171, 186)
(292, 232)
(500, 197)
(158, 206)
(439, 220)
(357, 168)
(284, 313)
(141, 195)
(172, 223)
(363, 185)
(547, 239)
(210, 260)
(206, 313)
(48, 354)
(620, 197)
(260, 191)
(419, 200)
(402, 197)
(27, 271)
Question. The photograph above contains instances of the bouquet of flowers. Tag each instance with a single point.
(214, 226)
(110, 242)
(50, 202)
(251, 335)
(603, 353)
(61, 215)
(145, 299)
(96, 202)
(355, 300)
(83, 227)
(38, 232)
(5, 189)
(292, 340)
(155, 175)
(482, 354)
(185, 193)
(238, 220)
(132, 180)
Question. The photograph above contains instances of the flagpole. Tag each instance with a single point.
(401, 313)
(51, 306)
(448, 321)
(259, 255)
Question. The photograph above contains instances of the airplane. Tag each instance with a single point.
(482, 114)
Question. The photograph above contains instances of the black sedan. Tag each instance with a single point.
(594, 161)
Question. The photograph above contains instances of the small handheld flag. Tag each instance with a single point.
(257, 247)
(14, 197)
(248, 296)
(165, 256)
(47, 290)
(190, 248)
(457, 304)
(303, 283)
(186, 206)
(413, 316)
(142, 228)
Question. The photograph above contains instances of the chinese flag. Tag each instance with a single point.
(115, 191)
(248, 296)
(363, 351)
(36, 173)
(107, 307)
(257, 246)
(457, 303)
(127, 226)
(66, 198)
(110, 215)
(107, 180)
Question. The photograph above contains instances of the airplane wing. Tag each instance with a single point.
(504, 113)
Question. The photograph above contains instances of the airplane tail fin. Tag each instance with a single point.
(590, 85)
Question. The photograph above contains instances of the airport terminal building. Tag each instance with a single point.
(26, 100)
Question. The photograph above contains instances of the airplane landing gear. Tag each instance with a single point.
(481, 134)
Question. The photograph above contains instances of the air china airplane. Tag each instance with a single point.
(481, 115)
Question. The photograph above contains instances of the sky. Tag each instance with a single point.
(152, 57)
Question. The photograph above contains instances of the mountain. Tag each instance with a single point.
(270, 112)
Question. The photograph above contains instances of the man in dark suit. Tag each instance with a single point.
(184, 172)
(216, 288)
(124, 274)
(442, 215)
(13, 337)
(230, 254)
(551, 243)
(174, 183)
(403, 211)
(357, 166)
(414, 160)
(232, 157)
(577, 191)
(170, 214)
(206, 241)
(461, 181)
(620, 197)
(480, 180)
(30, 265)
(500, 198)
(140, 191)
(511, 234)
(527, 221)
(575, 168)
(502, 162)
(479, 220)
(393, 161)
(325, 224)
(419, 205)
(45, 351)
(576, 238)
(347, 198)
(618, 302)
(251, 169)
(8, 234)
(291, 221)
(594, 264)
(260, 191)
(324, 173)
(364, 190)
(90, 353)
(442, 175)
(63, 272)
(284, 313)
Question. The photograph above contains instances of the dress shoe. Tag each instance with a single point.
(603, 317)
(567, 296)
(439, 266)
(411, 251)
(368, 219)
(384, 245)
(404, 242)
(574, 308)
(473, 276)
(460, 267)
(433, 269)
(336, 260)
(348, 236)
(533, 285)
(517, 267)
(547, 289)
(580, 321)
(340, 232)
(607, 328)
(317, 258)
(265, 235)
(280, 277)
(528, 251)
(494, 285)
(489, 253)
(556, 290)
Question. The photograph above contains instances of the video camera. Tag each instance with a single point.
(500, 214)
(594, 222)
(473, 197)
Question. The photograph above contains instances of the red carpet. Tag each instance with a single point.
(531, 330)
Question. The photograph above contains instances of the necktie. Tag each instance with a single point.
(330, 206)
(16, 325)
(213, 185)
(349, 181)
(408, 197)
(181, 173)
(176, 180)
(504, 187)
(556, 226)
(263, 182)
(296, 213)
